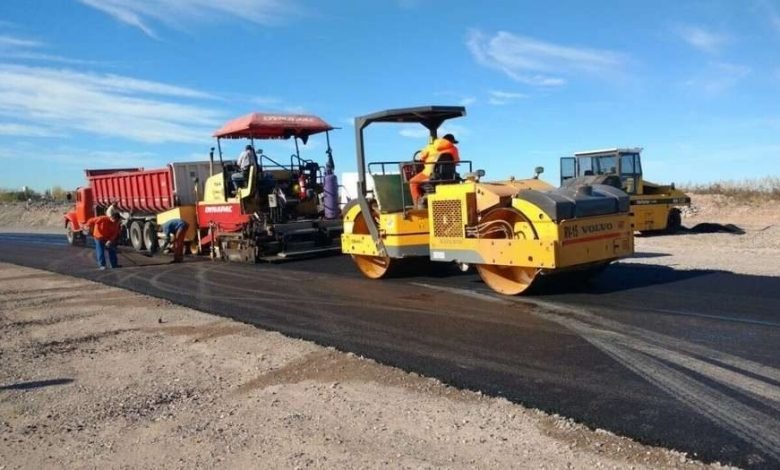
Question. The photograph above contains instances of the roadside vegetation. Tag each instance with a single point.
(56, 193)
(740, 191)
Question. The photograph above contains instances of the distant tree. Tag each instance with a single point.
(8, 195)
(58, 193)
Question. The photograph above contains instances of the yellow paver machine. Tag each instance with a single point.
(512, 231)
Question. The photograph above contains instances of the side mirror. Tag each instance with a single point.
(474, 176)
(69, 196)
(538, 171)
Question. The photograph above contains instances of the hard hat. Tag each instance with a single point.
(451, 138)
(112, 212)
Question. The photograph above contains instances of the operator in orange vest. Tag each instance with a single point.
(105, 229)
(429, 156)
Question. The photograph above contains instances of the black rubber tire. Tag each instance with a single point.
(150, 236)
(674, 220)
(74, 237)
(136, 235)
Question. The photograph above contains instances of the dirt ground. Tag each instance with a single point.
(20, 216)
(118, 379)
(756, 252)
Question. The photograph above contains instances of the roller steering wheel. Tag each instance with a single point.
(416, 156)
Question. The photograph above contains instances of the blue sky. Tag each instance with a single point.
(111, 83)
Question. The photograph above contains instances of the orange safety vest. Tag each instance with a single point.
(430, 154)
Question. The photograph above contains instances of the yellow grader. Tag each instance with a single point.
(654, 207)
(512, 231)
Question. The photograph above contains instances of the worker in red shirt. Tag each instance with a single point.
(105, 229)
(429, 156)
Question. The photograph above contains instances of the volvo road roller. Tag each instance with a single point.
(512, 231)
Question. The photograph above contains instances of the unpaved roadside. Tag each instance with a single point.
(756, 252)
(94, 376)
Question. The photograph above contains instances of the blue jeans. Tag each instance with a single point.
(100, 252)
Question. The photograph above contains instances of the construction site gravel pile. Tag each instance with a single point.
(97, 376)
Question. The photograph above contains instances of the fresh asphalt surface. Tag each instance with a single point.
(688, 360)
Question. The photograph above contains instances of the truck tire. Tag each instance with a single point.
(75, 238)
(150, 236)
(136, 235)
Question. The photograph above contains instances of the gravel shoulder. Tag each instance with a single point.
(757, 252)
(95, 376)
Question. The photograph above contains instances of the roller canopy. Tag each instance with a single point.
(273, 126)
(429, 116)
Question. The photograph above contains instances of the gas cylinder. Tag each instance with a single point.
(330, 193)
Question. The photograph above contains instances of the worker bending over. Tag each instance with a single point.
(177, 229)
(429, 156)
(105, 229)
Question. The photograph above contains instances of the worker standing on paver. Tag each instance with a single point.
(105, 229)
(176, 229)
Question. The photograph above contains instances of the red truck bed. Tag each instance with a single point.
(146, 191)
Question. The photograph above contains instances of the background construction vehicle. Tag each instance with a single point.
(512, 231)
(654, 207)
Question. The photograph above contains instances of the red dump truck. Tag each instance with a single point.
(144, 198)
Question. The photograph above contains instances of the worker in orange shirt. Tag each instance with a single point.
(105, 229)
(429, 156)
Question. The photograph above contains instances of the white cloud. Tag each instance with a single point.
(504, 97)
(104, 105)
(459, 98)
(80, 157)
(536, 62)
(702, 39)
(719, 77)
(12, 47)
(35, 56)
(27, 130)
(175, 13)
(15, 42)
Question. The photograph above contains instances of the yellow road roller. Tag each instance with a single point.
(654, 207)
(511, 231)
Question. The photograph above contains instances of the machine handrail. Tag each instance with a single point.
(401, 164)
